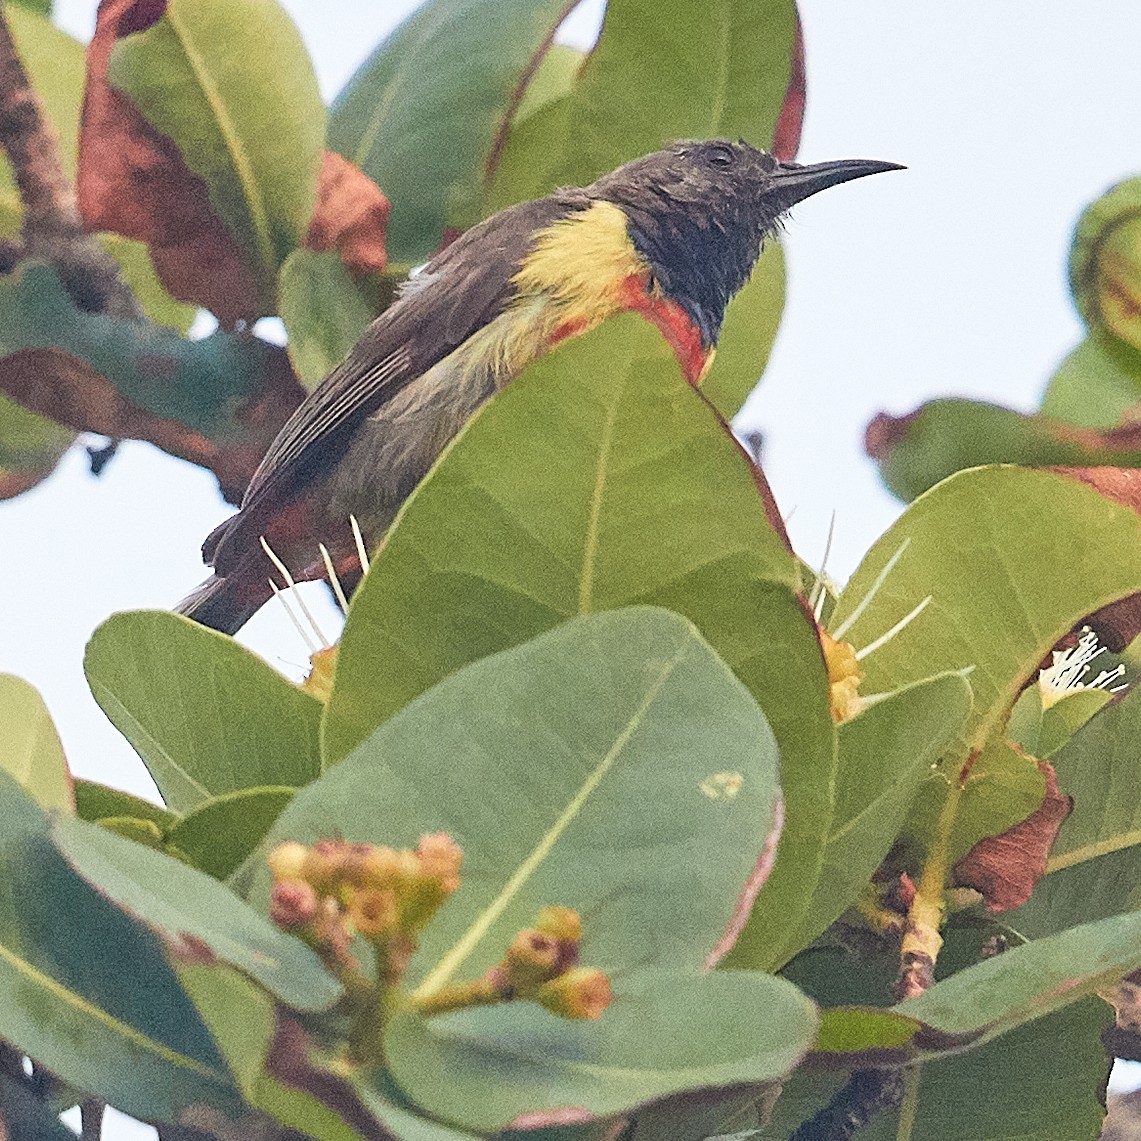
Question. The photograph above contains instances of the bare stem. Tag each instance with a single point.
(53, 230)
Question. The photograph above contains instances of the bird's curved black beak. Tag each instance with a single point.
(791, 183)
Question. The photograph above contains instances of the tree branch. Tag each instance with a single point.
(867, 1094)
(53, 230)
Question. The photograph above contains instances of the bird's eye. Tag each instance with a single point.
(720, 156)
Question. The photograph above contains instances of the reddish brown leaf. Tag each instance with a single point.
(786, 137)
(1005, 868)
(57, 384)
(350, 217)
(133, 181)
(13, 483)
(884, 432)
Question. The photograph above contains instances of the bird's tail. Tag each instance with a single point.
(225, 603)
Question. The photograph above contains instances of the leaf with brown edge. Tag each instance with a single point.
(790, 121)
(1006, 867)
(351, 216)
(133, 181)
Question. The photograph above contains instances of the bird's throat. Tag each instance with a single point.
(676, 325)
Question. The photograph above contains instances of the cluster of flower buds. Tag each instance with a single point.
(844, 677)
(334, 890)
(541, 964)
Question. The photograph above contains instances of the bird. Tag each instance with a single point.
(672, 236)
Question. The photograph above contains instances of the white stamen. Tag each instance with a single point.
(279, 594)
(1067, 674)
(883, 639)
(362, 551)
(284, 572)
(848, 622)
(334, 581)
(816, 597)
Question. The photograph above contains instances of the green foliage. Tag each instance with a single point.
(30, 751)
(238, 97)
(207, 716)
(583, 655)
(424, 112)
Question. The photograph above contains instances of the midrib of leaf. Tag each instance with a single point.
(454, 958)
(590, 547)
(1092, 851)
(117, 704)
(233, 143)
(718, 109)
(122, 1029)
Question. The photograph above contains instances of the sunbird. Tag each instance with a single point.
(672, 236)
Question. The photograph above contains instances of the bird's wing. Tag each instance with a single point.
(458, 292)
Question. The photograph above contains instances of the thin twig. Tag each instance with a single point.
(868, 1094)
(53, 229)
(91, 1119)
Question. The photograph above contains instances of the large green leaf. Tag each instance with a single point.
(598, 479)
(1031, 981)
(30, 751)
(1041, 1082)
(30, 447)
(678, 69)
(422, 114)
(747, 336)
(882, 757)
(191, 908)
(1094, 868)
(95, 802)
(666, 1031)
(87, 992)
(235, 91)
(207, 716)
(323, 310)
(613, 765)
(1011, 560)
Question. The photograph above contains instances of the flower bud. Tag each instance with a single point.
(292, 904)
(582, 992)
(560, 923)
(440, 859)
(287, 861)
(531, 960)
(373, 912)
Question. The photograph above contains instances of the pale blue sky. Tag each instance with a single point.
(946, 279)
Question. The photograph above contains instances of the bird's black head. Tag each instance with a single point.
(699, 213)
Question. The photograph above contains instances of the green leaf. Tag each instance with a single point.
(1011, 560)
(610, 452)
(202, 384)
(882, 758)
(621, 488)
(323, 310)
(207, 716)
(1094, 869)
(236, 93)
(422, 114)
(193, 910)
(1096, 384)
(1041, 1082)
(660, 71)
(219, 835)
(94, 802)
(553, 79)
(747, 336)
(946, 436)
(30, 750)
(43, 7)
(66, 998)
(1031, 981)
(666, 1031)
(613, 765)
